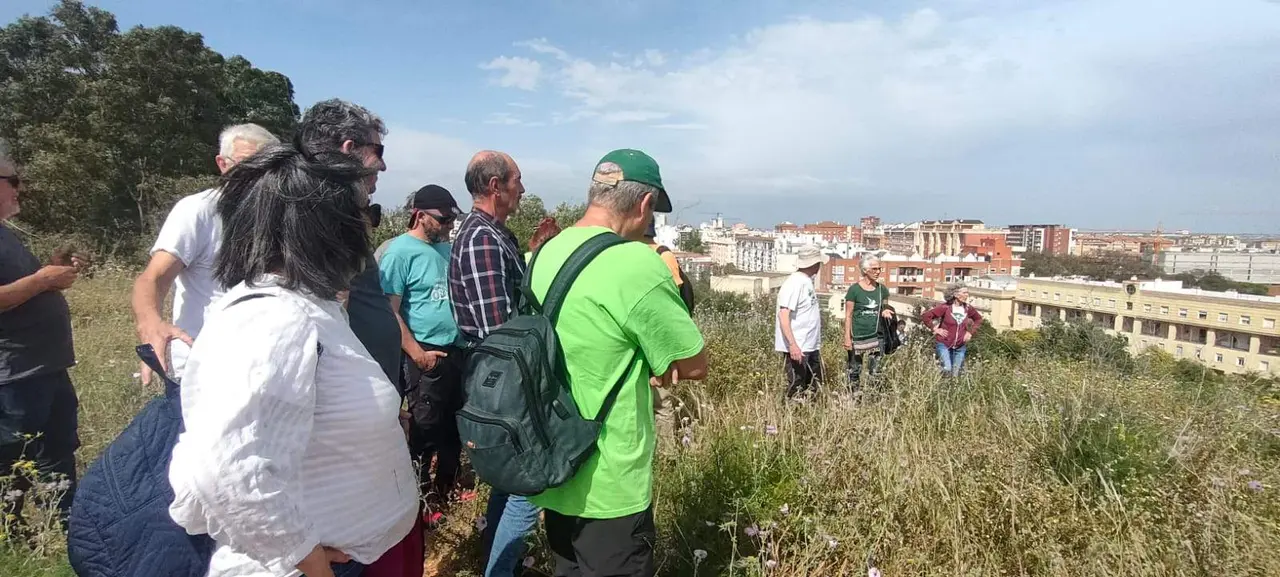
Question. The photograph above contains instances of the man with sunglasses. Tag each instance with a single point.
(414, 272)
(37, 400)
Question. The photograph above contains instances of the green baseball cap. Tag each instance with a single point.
(637, 167)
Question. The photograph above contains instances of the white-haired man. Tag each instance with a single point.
(182, 258)
(864, 305)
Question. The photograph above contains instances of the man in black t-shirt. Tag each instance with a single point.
(37, 401)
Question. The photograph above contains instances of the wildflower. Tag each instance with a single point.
(1245, 472)
(686, 441)
(137, 375)
(684, 420)
(481, 523)
(873, 572)
(770, 430)
(63, 485)
(742, 428)
(759, 392)
(832, 543)
(752, 531)
(784, 509)
(771, 563)
(1255, 485)
(1217, 482)
(710, 523)
(699, 555)
(528, 562)
(13, 495)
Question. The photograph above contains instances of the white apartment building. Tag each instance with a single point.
(1241, 266)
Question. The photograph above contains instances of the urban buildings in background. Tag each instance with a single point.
(1230, 332)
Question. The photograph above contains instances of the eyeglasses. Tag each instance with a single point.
(14, 180)
(441, 219)
(378, 149)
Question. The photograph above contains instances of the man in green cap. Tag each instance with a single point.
(622, 322)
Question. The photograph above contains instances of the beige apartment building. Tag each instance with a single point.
(1230, 332)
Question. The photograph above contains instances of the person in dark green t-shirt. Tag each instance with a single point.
(864, 305)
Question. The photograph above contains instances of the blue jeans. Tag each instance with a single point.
(509, 518)
(951, 358)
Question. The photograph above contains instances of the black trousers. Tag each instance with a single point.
(434, 398)
(621, 547)
(804, 375)
(38, 424)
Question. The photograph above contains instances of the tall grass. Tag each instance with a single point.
(1032, 463)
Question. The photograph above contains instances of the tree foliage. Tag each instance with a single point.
(532, 211)
(111, 128)
(1110, 266)
(691, 242)
(1212, 281)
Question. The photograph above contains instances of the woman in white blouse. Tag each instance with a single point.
(293, 458)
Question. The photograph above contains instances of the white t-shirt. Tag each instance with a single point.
(798, 296)
(191, 233)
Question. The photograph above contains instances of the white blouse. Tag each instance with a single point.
(288, 445)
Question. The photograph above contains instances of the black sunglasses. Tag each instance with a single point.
(14, 180)
(441, 219)
(378, 149)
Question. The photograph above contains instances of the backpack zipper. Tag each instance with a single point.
(496, 421)
(539, 428)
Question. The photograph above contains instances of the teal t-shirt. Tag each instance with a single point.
(417, 272)
(624, 303)
(867, 306)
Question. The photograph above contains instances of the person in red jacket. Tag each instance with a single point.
(953, 323)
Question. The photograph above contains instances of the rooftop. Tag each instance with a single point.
(1173, 287)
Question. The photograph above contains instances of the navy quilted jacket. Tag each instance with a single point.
(120, 525)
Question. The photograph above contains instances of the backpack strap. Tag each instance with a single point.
(569, 271)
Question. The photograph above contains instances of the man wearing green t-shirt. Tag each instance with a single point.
(622, 319)
(864, 305)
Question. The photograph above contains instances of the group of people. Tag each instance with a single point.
(313, 374)
(871, 328)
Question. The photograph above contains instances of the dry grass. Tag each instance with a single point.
(1023, 467)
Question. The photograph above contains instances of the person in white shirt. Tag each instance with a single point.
(293, 458)
(798, 330)
(182, 258)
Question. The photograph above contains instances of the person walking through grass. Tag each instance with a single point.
(954, 322)
(798, 326)
(865, 303)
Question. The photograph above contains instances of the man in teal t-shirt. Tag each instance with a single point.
(624, 307)
(413, 270)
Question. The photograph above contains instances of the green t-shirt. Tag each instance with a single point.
(416, 271)
(624, 302)
(867, 305)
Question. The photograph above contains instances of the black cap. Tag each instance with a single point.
(433, 196)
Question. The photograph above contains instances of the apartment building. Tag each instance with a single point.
(755, 253)
(1046, 238)
(1093, 244)
(827, 230)
(934, 237)
(1230, 332)
(1242, 266)
(695, 266)
(915, 276)
(722, 250)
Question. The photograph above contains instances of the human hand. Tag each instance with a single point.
(427, 360)
(848, 343)
(158, 335)
(795, 353)
(318, 562)
(886, 313)
(57, 277)
(405, 418)
(966, 338)
(941, 332)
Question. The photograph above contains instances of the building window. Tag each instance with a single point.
(1179, 350)
(1268, 323)
(1164, 310)
(1264, 366)
(1222, 317)
(1217, 358)
(1146, 308)
(1111, 303)
(1097, 302)
(1044, 295)
(1182, 313)
(1057, 296)
(1245, 320)
(1239, 361)
(1203, 315)
(1128, 306)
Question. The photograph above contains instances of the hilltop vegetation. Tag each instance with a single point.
(1057, 454)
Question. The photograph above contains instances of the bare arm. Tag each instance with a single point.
(149, 292)
(693, 368)
(17, 293)
(848, 322)
(426, 360)
(784, 320)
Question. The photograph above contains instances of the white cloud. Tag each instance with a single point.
(519, 105)
(993, 101)
(517, 72)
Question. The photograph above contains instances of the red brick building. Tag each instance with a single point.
(1046, 238)
(829, 230)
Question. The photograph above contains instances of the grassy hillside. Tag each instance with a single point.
(1051, 457)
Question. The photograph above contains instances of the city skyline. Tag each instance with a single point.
(1099, 115)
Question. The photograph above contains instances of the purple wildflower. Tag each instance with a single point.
(752, 531)
(770, 430)
(1255, 485)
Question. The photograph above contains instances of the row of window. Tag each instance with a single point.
(1244, 320)
(1263, 366)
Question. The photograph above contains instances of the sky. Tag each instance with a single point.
(1095, 114)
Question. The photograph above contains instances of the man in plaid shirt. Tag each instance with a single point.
(486, 269)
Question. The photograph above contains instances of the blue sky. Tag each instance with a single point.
(1092, 113)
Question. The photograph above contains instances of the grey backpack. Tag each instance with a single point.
(519, 425)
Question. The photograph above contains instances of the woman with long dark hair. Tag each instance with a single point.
(293, 458)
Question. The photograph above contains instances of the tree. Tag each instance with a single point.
(112, 128)
(526, 218)
(691, 242)
(1112, 266)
